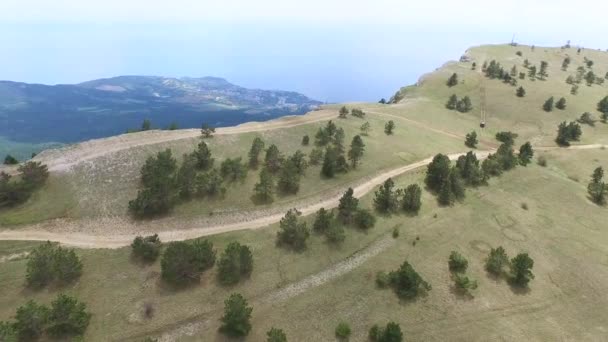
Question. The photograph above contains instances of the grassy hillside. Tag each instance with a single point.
(561, 230)
(544, 211)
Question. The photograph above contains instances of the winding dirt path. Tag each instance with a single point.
(100, 240)
(89, 240)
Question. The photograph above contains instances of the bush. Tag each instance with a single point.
(464, 283)
(457, 262)
(343, 330)
(146, 248)
(364, 219)
(235, 262)
(68, 317)
(30, 321)
(48, 263)
(395, 232)
(276, 335)
(305, 140)
(392, 333)
(407, 283)
(184, 262)
(293, 233)
(497, 260)
(521, 267)
(237, 315)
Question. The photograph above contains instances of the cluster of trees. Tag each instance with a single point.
(32, 176)
(405, 281)
(356, 112)
(183, 262)
(462, 105)
(146, 125)
(587, 119)
(597, 188)
(50, 263)
(391, 333)
(494, 70)
(164, 184)
(65, 319)
(567, 132)
(335, 158)
(588, 76)
(458, 265)
(560, 104)
(388, 200)
(520, 267)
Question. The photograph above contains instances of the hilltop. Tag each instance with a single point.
(541, 208)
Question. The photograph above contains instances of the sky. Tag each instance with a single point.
(334, 51)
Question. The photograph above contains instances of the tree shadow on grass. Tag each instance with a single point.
(518, 289)
(461, 294)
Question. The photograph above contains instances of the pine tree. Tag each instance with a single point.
(452, 102)
(289, 178)
(525, 153)
(146, 125)
(237, 316)
(513, 72)
(365, 128)
(235, 263)
(347, 207)
(561, 104)
(204, 161)
(323, 221)
(464, 105)
(542, 73)
(263, 188)
(343, 112)
(411, 201)
(388, 127)
(207, 131)
(548, 105)
(453, 80)
(597, 188)
(590, 78)
(565, 63)
(254, 153)
(521, 92)
(532, 72)
(385, 200)
(330, 162)
(357, 147)
(521, 267)
(273, 159)
(602, 107)
(471, 140)
(292, 232)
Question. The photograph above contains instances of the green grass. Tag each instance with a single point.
(562, 231)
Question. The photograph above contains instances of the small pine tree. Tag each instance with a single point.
(276, 335)
(67, 317)
(323, 220)
(497, 259)
(389, 127)
(254, 152)
(293, 233)
(548, 105)
(411, 201)
(602, 107)
(452, 102)
(146, 125)
(235, 263)
(471, 140)
(305, 140)
(347, 207)
(357, 147)
(521, 267)
(464, 105)
(457, 263)
(207, 131)
(385, 199)
(453, 80)
(520, 92)
(561, 104)
(146, 248)
(237, 316)
(343, 112)
(263, 188)
(526, 153)
(10, 160)
(365, 128)
(542, 73)
(597, 188)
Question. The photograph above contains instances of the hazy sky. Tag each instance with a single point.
(329, 50)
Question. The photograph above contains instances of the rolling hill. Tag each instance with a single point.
(541, 209)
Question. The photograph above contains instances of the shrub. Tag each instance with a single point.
(521, 267)
(48, 263)
(184, 262)
(146, 248)
(457, 262)
(395, 232)
(497, 259)
(407, 283)
(68, 317)
(305, 140)
(276, 335)
(464, 283)
(389, 127)
(343, 330)
(382, 279)
(392, 333)
(471, 140)
(542, 161)
(364, 219)
(30, 321)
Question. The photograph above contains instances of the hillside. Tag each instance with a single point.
(36, 113)
(542, 209)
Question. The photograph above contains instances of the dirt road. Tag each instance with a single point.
(100, 240)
